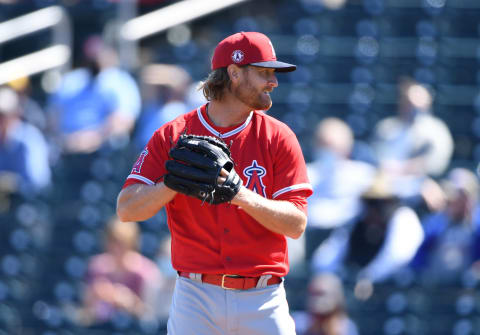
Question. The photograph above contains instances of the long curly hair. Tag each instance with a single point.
(214, 86)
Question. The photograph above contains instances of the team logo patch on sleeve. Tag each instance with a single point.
(255, 173)
(137, 167)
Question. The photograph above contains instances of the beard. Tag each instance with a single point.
(252, 97)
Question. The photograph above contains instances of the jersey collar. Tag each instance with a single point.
(222, 132)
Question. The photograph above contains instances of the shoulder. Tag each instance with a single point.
(406, 219)
(435, 223)
(385, 126)
(29, 134)
(352, 327)
(430, 121)
(274, 129)
(178, 125)
(406, 213)
(387, 121)
(169, 132)
(117, 81)
(359, 167)
(113, 75)
(142, 265)
(73, 82)
(269, 121)
(101, 263)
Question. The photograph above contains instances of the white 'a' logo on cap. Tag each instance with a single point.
(273, 50)
(237, 56)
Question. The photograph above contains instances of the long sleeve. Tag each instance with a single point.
(330, 254)
(404, 237)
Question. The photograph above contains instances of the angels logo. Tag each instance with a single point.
(237, 56)
(137, 167)
(255, 173)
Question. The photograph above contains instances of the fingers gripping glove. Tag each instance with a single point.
(196, 165)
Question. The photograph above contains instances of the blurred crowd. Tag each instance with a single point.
(405, 215)
(59, 151)
(396, 210)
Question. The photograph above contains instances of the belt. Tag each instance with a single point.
(232, 282)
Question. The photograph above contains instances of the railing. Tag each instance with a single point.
(146, 25)
(57, 55)
(167, 17)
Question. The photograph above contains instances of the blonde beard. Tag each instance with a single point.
(256, 104)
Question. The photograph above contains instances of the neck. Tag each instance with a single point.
(226, 113)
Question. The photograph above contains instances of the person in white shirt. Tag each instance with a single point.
(414, 144)
(383, 240)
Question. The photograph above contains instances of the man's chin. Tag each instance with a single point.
(267, 109)
(263, 107)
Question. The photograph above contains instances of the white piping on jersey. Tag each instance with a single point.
(291, 188)
(227, 134)
(145, 180)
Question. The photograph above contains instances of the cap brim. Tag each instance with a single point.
(278, 66)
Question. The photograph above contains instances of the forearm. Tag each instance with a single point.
(140, 202)
(279, 216)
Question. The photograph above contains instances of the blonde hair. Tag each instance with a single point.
(336, 135)
(213, 87)
(217, 82)
(125, 233)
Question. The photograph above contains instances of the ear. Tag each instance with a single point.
(233, 72)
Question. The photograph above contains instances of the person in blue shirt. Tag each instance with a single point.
(24, 153)
(452, 235)
(167, 92)
(95, 104)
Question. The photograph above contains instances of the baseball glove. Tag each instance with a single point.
(195, 167)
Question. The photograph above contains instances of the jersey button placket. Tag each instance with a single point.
(226, 249)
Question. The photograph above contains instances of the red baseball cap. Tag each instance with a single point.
(248, 48)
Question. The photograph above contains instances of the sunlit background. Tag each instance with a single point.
(350, 56)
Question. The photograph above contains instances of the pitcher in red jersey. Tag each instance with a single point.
(231, 258)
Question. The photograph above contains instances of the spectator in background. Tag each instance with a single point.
(414, 145)
(382, 240)
(164, 89)
(95, 104)
(32, 112)
(168, 91)
(452, 236)
(326, 311)
(120, 280)
(24, 154)
(338, 182)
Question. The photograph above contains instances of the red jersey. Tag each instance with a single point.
(223, 238)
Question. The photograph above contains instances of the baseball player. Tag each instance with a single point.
(229, 243)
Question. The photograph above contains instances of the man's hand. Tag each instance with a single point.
(201, 167)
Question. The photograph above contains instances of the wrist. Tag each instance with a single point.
(241, 197)
(164, 188)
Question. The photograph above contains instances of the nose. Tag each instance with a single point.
(272, 81)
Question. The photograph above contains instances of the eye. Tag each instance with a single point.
(266, 72)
